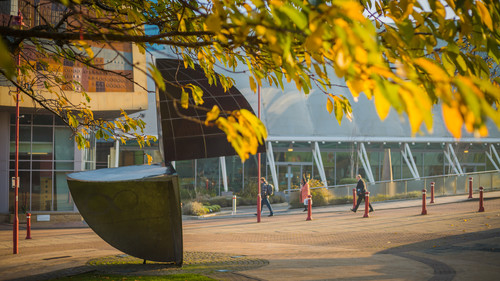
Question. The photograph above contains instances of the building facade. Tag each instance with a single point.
(47, 150)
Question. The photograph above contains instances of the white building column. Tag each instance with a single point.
(365, 161)
(493, 155)
(319, 163)
(453, 160)
(272, 165)
(222, 161)
(408, 156)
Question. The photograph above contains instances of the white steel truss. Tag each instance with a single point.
(272, 165)
(408, 156)
(365, 161)
(319, 163)
(453, 160)
(222, 160)
(490, 154)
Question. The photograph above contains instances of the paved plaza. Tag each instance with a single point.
(452, 242)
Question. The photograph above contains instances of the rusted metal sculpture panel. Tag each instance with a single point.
(136, 209)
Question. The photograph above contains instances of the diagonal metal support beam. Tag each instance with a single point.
(490, 154)
(408, 156)
(272, 165)
(453, 160)
(319, 163)
(222, 160)
(365, 161)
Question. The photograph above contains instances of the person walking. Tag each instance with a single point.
(265, 190)
(304, 192)
(360, 191)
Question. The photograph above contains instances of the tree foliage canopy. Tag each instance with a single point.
(407, 55)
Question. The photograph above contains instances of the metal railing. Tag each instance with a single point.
(444, 185)
(405, 188)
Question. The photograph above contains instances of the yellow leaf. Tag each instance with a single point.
(382, 105)
(307, 58)
(329, 105)
(483, 131)
(212, 115)
(184, 99)
(213, 23)
(253, 86)
(150, 159)
(453, 120)
(356, 86)
(87, 48)
(314, 41)
(435, 72)
(485, 15)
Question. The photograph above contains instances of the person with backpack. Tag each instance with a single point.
(266, 190)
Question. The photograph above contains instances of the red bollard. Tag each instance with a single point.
(309, 208)
(481, 207)
(367, 204)
(354, 198)
(432, 192)
(424, 207)
(470, 188)
(259, 209)
(28, 225)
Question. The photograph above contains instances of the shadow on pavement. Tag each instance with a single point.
(449, 245)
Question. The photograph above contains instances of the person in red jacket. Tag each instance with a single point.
(305, 191)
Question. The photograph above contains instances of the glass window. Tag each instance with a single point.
(24, 133)
(65, 166)
(63, 144)
(43, 120)
(42, 134)
(63, 200)
(41, 190)
(346, 168)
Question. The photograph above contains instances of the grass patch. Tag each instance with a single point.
(97, 276)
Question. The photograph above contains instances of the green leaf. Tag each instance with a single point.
(157, 77)
(295, 15)
(6, 62)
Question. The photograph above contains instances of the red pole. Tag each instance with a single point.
(309, 208)
(481, 207)
(424, 207)
(19, 21)
(353, 198)
(470, 188)
(432, 192)
(28, 225)
(259, 199)
(367, 204)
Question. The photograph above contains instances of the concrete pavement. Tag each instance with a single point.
(452, 242)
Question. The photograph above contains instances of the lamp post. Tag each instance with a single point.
(18, 20)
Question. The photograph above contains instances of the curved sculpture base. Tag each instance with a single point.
(136, 209)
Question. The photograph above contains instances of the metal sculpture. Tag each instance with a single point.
(135, 209)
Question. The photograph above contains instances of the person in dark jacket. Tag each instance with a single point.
(360, 191)
(264, 193)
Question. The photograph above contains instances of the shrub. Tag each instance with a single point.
(195, 208)
(320, 196)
